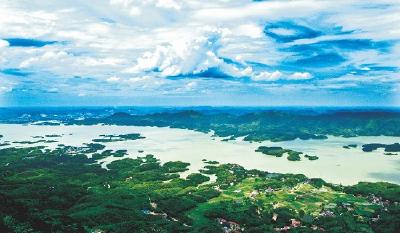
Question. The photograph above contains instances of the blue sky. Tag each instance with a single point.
(171, 52)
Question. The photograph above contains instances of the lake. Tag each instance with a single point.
(335, 164)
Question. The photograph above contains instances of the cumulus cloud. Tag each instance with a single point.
(61, 62)
(125, 46)
(300, 76)
(267, 76)
(189, 56)
(277, 75)
(249, 29)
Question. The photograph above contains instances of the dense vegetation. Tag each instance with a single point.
(62, 190)
(350, 146)
(35, 142)
(67, 189)
(272, 125)
(395, 147)
(279, 152)
(118, 138)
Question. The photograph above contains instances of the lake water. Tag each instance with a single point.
(335, 164)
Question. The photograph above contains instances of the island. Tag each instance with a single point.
(35, 142)
(279, 152)
(117, 138)
(395, 147)
(350, 146)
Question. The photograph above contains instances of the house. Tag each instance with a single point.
(274, 217)
(269, 190)
(295, 223)
(285, 228)
(229, 226)
(253, 194)
(376, 219)
(317, 228)
(153, 205)
(327, 213)
(217, 188)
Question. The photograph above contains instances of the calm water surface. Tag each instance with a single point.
(335, 164)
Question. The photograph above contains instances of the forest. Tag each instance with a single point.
(62, 190)
(274, 125)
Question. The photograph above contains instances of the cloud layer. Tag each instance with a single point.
(200, 52)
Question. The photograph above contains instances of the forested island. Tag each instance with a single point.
(395, 147)
(279, 152)
(118, 138)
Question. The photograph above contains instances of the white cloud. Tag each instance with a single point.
(6, 85)
(187, 87)
(3, 43)
(169, 4)
(113, 79)
(189, 56)
(277, 75)
(250, 29)
(282, 31)
(300, 76)
(61, 62)
(159, 38)
(5, 89)
(267, 76)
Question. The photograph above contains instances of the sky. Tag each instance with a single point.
(197, 52)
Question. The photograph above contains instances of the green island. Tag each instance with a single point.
(311, 157)
(53, 136)
(389, 153)
(62, 190)
(395, 147)
(231, 138)
(210, 162)
(118, 138)
(279, 152)
(35, 142)
(350, 146)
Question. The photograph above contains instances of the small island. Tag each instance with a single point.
(395, 147)
(311, 157)
(35, 142)
(350, 146)
(118, 138)
(53, 136)
(210, 162)
(279, 152)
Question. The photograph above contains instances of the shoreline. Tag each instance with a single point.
(171, 144)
